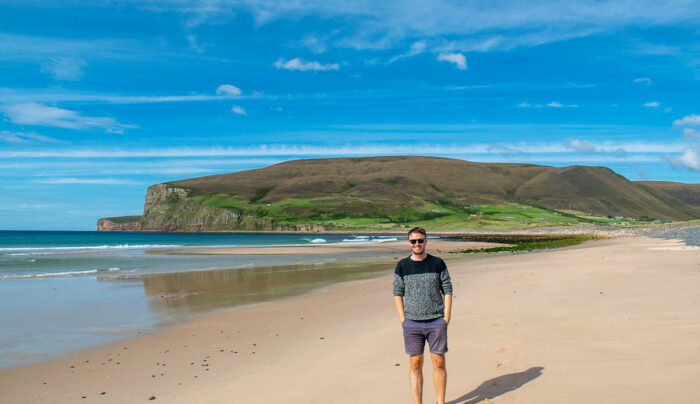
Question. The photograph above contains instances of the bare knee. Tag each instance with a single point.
(416, 363)
(438, 361)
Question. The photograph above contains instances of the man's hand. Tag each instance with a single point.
(398, 301)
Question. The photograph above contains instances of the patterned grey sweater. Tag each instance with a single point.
(422, 285)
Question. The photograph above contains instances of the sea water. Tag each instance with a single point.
(64, 291)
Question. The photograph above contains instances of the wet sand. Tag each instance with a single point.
(607, 321)
(388, 248)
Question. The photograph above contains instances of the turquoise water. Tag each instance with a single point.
(37, 254)
(65, 291)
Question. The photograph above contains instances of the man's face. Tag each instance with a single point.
(417, 242)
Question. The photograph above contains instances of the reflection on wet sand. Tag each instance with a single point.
(174, 296)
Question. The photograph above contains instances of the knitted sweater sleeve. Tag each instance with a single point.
(446, 281)
(399, 286)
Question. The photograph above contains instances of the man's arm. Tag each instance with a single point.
(398, 301)
(448, 308)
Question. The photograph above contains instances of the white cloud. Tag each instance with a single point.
(238, 110)
(691, 134)
(303, 65)
(23, 137)
(617, 151)
(228, 89)
(652, 104)
(458, 59)
(643, 80)
(63, 68)
(313, 43)
(690, 159)
(553, 104)
(36, 206)
(416, 49)
(387, 24)
(194, 44)
(43, 115)
(582, 146)
(94, 181)
(350, 150)
(160, 171)
(688, 120)
(469, 24)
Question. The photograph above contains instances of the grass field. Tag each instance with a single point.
(344, 213)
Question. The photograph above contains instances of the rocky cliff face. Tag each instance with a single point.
(171, 209)
(123, 223)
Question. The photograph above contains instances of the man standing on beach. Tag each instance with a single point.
(423, 297)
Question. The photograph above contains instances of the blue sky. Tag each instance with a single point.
(100, 99)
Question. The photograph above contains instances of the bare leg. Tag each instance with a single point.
(416, 377)
(439, 376)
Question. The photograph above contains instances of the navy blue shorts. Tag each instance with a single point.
(416, 333)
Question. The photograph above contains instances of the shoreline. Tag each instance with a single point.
(387, 248)
(116, 305)
(512, 338)
(592, 229)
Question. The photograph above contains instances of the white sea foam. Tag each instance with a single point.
(318, 240)
(49, 250)
(367, 240)
(60, 274)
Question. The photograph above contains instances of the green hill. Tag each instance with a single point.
(392, 192)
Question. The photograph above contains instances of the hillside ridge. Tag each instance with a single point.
(396, 191)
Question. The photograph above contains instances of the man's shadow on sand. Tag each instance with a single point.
(499, 385)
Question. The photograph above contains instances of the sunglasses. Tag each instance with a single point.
(418, 240)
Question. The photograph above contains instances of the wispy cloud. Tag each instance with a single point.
(93, 181)
(300, 64)
(32, 48)
(590, 147)
(63, 68)
(313, 43)
(386, 24)
(458, 59)
(238, 110)
(688, 120)
(582, 146)
(643, 80)
(24, 137)
(27, 96)
(652, 104)
(691, 134)
(44, 115)
(416, 48)
(348, 150)
(552, 104)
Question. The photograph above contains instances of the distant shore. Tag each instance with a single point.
(477, 233)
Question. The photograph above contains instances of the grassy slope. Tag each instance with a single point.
(392, 192)
(325, 211)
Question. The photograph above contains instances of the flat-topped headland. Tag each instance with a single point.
(376, 194)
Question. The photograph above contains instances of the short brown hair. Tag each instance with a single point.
(417, 230)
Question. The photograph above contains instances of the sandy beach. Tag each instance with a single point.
(607, 321)
(388, 248)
